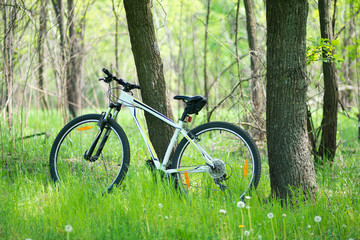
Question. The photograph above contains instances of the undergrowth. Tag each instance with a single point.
(147, 207)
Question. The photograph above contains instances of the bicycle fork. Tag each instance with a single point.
(102, 125)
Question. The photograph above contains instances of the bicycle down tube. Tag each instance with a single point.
(131, 104)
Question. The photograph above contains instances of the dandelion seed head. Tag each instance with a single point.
(246, 233)
(247, 207)
(259, 237)
(284, 215)
(308, 226)
(270, 215)
(317, 219)
(166, 217)
(344, 226)
(223, 211)
(240, 204)
(247, 197)
(160, 205)
(68, 228)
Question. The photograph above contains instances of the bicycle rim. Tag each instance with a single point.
(69, 156)
(233, 153)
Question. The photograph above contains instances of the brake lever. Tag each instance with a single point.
(106, 79)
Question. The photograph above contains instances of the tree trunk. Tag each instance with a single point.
(149, 68)
(349, 72)
(59, 12)
(116, 47)
(257, 97)
(9, 21)
(206, 78)
(290, 162)
(327, 147)
(41, 37)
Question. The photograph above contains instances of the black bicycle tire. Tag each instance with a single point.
(225, 125)
(88, 117)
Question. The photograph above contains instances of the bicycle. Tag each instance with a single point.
(216, 156)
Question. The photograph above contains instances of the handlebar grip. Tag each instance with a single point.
(107, 72)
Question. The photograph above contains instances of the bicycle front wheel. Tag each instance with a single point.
(236, 159)
(67, 161)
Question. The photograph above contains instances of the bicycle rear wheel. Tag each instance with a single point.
(235, 155)
(67, 162)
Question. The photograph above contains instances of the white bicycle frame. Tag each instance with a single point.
(131, 104)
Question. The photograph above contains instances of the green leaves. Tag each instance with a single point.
(322, 50)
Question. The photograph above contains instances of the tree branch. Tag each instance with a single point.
(346, 24)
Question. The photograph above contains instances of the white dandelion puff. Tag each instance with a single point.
(317, 219)
(246, 233)
(270, 215)
(68, 228)
(240, 204)
(160, 205)
(247, 197)
(223, 211)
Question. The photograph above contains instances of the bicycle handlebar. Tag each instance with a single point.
(127, 86)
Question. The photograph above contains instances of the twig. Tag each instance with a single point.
(346, 24)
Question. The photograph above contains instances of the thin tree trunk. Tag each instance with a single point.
(41, 37)
(206, 78)
(257, 97)
(196, 81)
(71, 80)
(116, 47)
(348, 69)
(290, 161)
(59, 12)
(149, 68)
(9, 21)
(327, 147)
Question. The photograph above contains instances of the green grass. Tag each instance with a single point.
(143, 208)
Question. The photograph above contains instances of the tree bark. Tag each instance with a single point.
(290, 161)
(60, 72)
(116, 47)
(257, 97)
(206, 78)
(9, 21)
(327, 147)
(41, 52)
(149, 69)
(72, 80)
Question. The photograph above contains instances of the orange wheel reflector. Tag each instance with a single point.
(187, 179)
(246, 167)
(85, 128)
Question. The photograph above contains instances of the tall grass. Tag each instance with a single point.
(147, 207)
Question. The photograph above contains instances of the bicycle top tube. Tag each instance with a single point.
(130, 101)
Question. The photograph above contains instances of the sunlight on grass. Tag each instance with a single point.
(146, 206)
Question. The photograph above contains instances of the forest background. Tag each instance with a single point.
(38, 55)
(205, 50)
